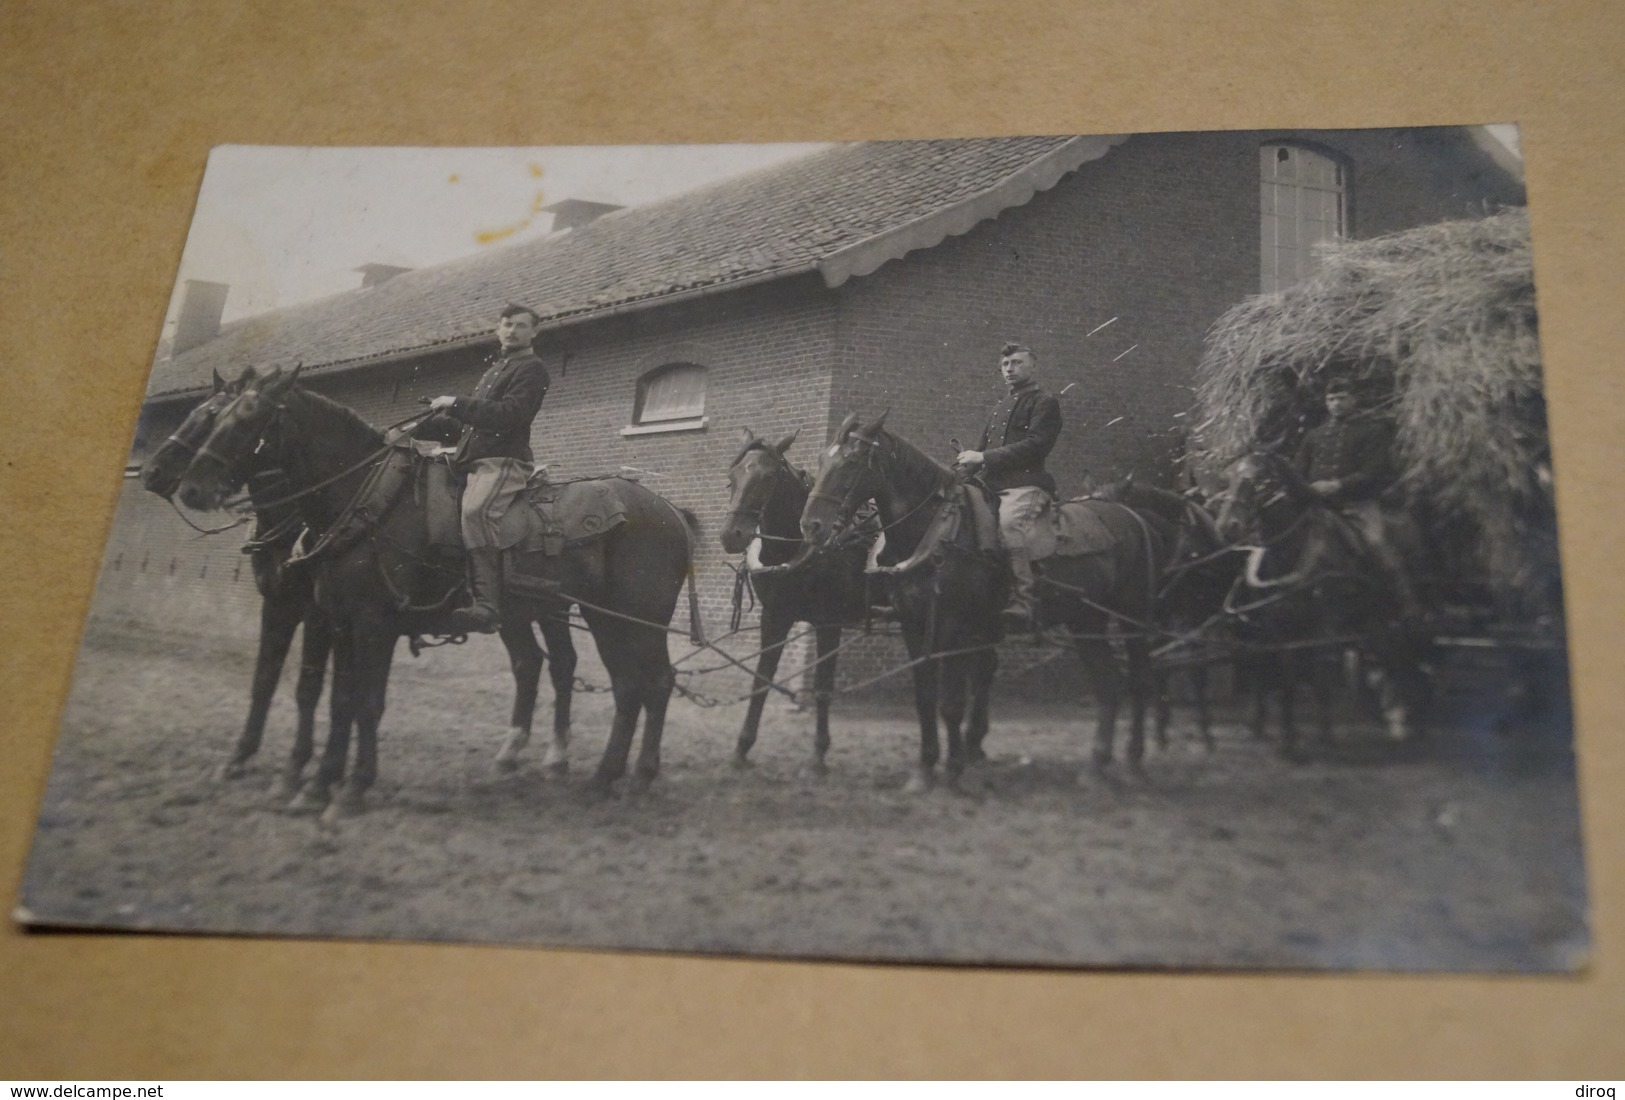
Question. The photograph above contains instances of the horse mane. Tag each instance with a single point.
(915, 463)
(348, 418)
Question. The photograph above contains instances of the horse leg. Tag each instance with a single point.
(1162, 707)
(829, 641)
(314, 795)
(775, 629)
(1139, 668)
(561, 669)
(525, 660)
(951, 683)
(1101, 668)
(1252, 669)
(655, 681)
(1204, 718)
(926, 676)
(1321, 679)
(375, 652)
(278, 620)
(983, 667)
(1288, 673)
(614, 648)
(314, 651)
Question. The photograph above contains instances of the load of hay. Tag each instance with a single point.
(1438, 327)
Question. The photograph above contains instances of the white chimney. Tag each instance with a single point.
(379, 274)
(198, 321)
(574, 213)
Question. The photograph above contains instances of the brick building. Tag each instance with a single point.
(863, 277)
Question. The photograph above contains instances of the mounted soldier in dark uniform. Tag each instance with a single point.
(493, 455)
(1010, 459)
(1348, 462)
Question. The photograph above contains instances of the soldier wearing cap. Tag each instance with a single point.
(1010, 459)
(493, 456)
(1348, 462)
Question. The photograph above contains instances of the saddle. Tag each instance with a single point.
(1071, 528)
(547, 518)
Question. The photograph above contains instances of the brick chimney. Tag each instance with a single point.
(574, 213)
(198, 321)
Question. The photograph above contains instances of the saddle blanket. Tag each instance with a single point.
(1074, 528)
(521, 510)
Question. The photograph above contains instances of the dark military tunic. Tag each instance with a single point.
(1019, 436)
(497, 418)
(1357, 452)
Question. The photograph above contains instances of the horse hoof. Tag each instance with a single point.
(817, 769)
(741, 762)
(505, 764)
(231, 769)
(1101, 759)
(639, 783)
(918, 784)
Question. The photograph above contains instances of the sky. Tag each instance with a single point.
(283, 224)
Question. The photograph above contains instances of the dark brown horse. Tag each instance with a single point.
(766, 496)
(287, 597)
(946, 589)
(1312, 585)
(1194, 631)
(378, 579)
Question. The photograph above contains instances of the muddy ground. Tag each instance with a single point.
(1460, 854)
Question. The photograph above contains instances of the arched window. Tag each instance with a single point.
(670, 397)
(1303, 201)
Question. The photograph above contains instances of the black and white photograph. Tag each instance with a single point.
(1128, 550)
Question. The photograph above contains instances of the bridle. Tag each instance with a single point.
(846, 505)
(780, 469)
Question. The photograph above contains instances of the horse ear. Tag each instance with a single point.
(218, 383)
(246, 378)
(846, 427)
(783, 445)
(869, 431)
(280, 383)
(746, 436)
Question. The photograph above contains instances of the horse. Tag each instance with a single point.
(1189, 605)
(766, 495)
(377, 580)
(1311, 582)
(287, 596)
(947, 588)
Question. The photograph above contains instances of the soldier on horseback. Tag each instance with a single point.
(1010, 459)
(493, 456)
(1348, 463)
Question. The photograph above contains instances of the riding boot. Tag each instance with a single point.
(1022, 613)
(485, 586)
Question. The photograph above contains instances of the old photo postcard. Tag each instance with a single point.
(1131, 550)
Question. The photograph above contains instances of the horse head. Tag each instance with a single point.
(164, 468)
(754, 476)
(848, 475)
(1262, 494)
(241, 428)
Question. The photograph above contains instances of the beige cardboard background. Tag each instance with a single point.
(108, 111)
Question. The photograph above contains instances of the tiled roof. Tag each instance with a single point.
(842, 211)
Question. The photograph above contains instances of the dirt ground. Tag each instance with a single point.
(1461, 854)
